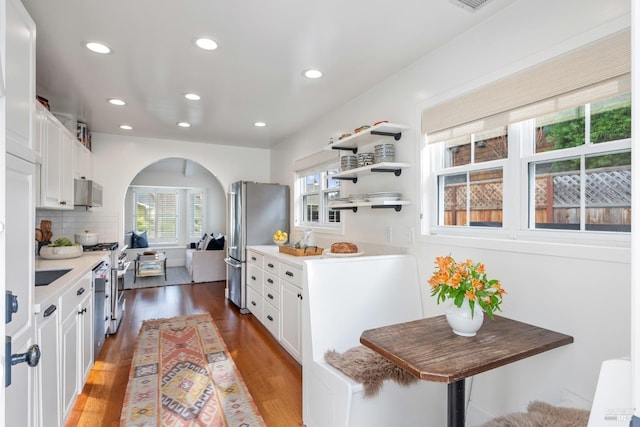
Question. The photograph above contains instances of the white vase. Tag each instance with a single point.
(461, 321)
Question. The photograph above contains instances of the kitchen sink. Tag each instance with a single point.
(46, 277)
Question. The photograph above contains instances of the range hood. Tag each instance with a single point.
(87, 193)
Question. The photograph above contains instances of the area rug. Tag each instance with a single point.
(175, 276)
(183, 375)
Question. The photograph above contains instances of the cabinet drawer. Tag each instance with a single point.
(291, 274)
(255, 278)
(255, 303)
(272, 297)
(271, 265)
(72, 297)
(271, 281)
(271, 319)
(254, 258)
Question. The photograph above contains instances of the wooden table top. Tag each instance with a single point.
(430, 350)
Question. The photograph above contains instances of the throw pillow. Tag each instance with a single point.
(216, 244)
(205, 242)
(140, 240)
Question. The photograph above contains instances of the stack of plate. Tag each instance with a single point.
(348, 162)
(383, 197)
(339, 200)
(365, 159)
(357, 197)
(384, 153)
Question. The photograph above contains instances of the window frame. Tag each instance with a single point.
(299, 187)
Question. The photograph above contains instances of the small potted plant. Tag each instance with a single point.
(471, 292)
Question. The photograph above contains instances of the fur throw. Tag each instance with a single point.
(369, 368)
(541, 414)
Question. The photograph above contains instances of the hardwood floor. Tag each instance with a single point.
(273, 377)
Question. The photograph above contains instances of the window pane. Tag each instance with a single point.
(559, 130)
(166, 210)
(491, 145)
(608, 192)
(312, 183)
(611, 119)
(145, 214)
(331, 214)
(195, 213)
(458, 152)
(485, 204)
(332, 183)
(311, 208)
(454, 199)
(557, 194)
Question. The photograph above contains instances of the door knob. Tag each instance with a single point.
(32, 357)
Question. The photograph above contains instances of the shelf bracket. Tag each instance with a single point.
(395, 135)
(397, 208)
(353, 208)
(396, 172)
(346, 178)
(354, 149)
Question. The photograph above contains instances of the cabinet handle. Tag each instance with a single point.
(50, 310)
(84, 310)
(288, 273)
(253, 258)
(80, 291)
(270, 296)
(253, 303)
(270, 281)
(270, 265)
(253, 277)
(63, 203)
(269, 317)
(300, 296)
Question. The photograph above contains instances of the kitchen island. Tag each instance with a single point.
(274, 294)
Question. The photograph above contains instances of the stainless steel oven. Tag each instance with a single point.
(101, 276)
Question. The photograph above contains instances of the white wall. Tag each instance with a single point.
(575, 289)
(116, 160)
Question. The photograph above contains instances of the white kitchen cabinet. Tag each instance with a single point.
(20, 43)
(75, 331)
(49, 408)
(81, 161)
(291, 319)
(56, 178)
(255, 300)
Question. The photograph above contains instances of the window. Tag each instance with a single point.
(316, 189)
(156, 213)
(195, 214)
(577, 164)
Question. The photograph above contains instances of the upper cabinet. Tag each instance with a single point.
(20, 80)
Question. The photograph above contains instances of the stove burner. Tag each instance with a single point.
(101, 247)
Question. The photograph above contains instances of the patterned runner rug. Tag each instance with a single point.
(183, 375)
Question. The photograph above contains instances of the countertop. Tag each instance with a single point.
(79, 267)
(274, 252)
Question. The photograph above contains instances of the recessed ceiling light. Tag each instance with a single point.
(126, 127)
(97, 47)
(259, 124)
(312, 74)
(206, 43)
(116, 101)
(192, 96)
(184, 124)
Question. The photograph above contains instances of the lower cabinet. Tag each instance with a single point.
(64, 334)
(50, 409)
(274, 296)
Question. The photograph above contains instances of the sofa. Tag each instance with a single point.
(205, 263)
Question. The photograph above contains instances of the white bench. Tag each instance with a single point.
(206, 266)
(342, 297)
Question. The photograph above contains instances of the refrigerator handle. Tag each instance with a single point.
(232, 263)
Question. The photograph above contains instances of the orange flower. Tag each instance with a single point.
(477, 284)
(470, 295)
(480, 268)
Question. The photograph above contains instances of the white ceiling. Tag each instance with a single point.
(254, 75)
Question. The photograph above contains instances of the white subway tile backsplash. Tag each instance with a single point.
(68, 223)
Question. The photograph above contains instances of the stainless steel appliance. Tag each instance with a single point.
(87, 193)
(256, 211)
(101, 278)
(114, 302)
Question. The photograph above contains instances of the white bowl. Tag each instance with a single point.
(280, 242)
(87, 239)
(60, 252)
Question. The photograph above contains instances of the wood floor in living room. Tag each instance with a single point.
(272, 376)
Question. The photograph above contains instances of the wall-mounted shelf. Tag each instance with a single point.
(388, 167)
(392, 204)
(368, 136)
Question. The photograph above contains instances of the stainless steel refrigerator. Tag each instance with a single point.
(256, 212)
